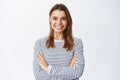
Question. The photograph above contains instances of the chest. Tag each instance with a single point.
(58, 56)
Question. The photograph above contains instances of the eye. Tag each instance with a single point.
(54, 18)
(64, 18)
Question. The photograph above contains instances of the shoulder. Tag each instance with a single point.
(41, 40)
(78, 48)
(77, 41)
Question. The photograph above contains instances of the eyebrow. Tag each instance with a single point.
(61, 17)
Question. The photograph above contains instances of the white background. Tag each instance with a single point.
(96, 22)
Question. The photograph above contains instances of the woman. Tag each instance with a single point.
(58, 56)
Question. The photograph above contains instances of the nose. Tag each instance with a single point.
(59, 21)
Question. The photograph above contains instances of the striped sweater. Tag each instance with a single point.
(59, 59)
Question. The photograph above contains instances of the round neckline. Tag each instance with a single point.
(57, 40)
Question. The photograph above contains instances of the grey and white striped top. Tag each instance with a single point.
(59, 59)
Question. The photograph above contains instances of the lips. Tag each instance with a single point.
(59, 27)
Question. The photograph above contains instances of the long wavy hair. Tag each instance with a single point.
(67, 33)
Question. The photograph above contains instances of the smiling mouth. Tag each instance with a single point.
(59, 27)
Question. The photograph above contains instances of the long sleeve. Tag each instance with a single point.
(39, 73)
(75, 71)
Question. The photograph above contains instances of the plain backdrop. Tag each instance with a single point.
(96, 22)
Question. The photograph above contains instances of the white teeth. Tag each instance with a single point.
(58, 27)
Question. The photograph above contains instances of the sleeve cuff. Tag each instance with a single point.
(49, 69)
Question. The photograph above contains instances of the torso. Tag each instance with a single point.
(57, 56)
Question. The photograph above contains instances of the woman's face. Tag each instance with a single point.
(58, 21)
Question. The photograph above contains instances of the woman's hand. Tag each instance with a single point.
(74, 60)
(42, 62)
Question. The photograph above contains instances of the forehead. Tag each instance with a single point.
(58, 13)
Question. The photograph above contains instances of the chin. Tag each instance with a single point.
(58, 31)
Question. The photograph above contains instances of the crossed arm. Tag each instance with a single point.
(42, 62)
(73, 71)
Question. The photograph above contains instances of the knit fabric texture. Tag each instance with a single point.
(59, 59)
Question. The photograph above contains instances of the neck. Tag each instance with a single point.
(58, 36)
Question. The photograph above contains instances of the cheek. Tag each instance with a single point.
(52, 22)
(65, 23)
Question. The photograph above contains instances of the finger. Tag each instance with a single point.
(40, 56)
(38, 60)
(71, 64)
(75, 59)
(76, 56)
(42, 59)
(76, 62)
